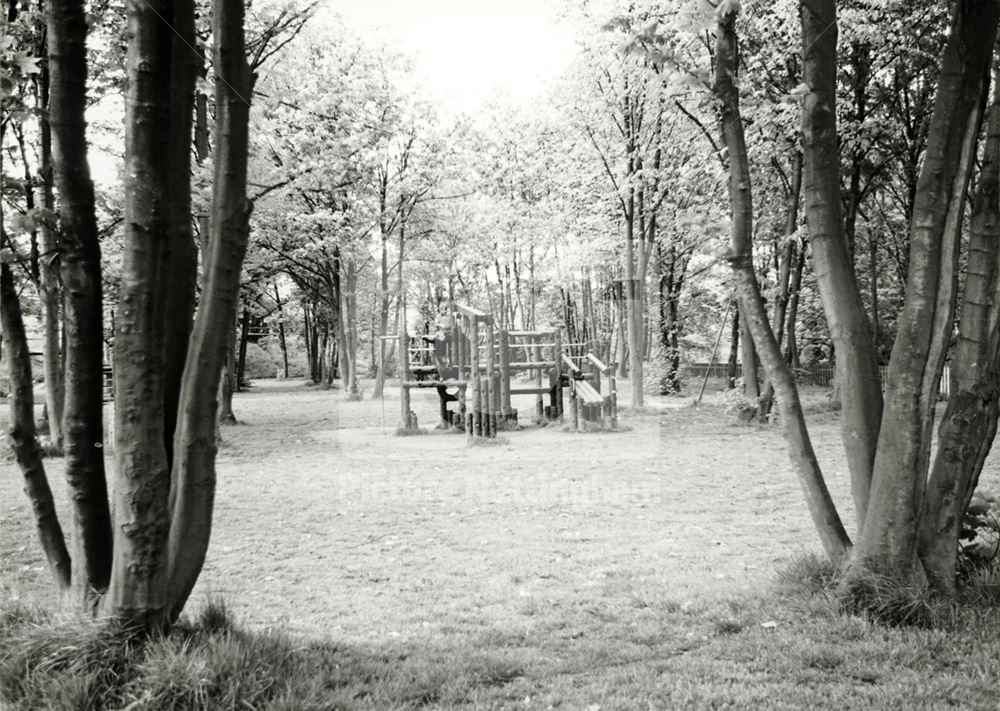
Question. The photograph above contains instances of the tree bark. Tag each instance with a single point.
(21, 431)
(857, 367)
(787, 255)
(227, 382)
(80, 267)
(794, 289)
(138, 586)
(192, 493)
(50, 290)
(748, 358)
(183, 257)
(240, 372)
(383, 310)
(734, 350)
(888, 543)
(824, 513)
(281, 333)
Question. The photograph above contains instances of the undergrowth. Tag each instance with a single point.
(887, 601)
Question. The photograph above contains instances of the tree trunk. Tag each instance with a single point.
(138, 590)
(824, 514)
(383, 311)
(21, 431)
(748, 358)
(183, 258)
(80, 268)
(281, 333)
(227, 382)
(888, 541)
(788, 254)
(857, 367)
(794, 289)
(192, 493)
(734, 350)
(969, 423)
(621, 341)
(633, 310)
(50, 290)
(240, 379)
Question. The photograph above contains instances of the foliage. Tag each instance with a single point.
(979, 543)
(736, 405)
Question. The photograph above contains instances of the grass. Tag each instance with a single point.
(367, 571)
(788, 649)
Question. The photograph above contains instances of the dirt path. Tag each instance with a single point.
(325, 525)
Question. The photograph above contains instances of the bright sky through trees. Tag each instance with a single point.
(468, 51)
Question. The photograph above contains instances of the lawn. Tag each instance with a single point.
(552, 569)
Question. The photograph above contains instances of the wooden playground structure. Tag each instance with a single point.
(476, 369)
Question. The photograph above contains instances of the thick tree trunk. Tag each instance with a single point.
(138, 590)
(183, 258)
(824, 513)
(21, 431)
(889, 543)
(80, 267)
(857, 367)
(192, 493)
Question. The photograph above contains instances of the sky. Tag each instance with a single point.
(469, 51)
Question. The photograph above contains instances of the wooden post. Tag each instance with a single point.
(575, 406)
(475, 384)
(557, 394)
(404, 372)
(493, 399)
(505, 405)
(613, 389)
(536, 356)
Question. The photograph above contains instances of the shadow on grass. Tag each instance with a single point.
(213, 663)
(792, 649)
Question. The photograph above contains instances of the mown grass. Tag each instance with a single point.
(793, 648)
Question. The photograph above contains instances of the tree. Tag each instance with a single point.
(755, 317)
(141, 564)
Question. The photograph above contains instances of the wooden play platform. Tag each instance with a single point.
(476, 370)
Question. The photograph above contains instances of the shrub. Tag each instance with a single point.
(979, 542)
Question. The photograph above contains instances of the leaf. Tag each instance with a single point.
(27, 64)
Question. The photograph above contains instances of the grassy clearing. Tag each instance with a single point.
(791, 649)
(564, 570)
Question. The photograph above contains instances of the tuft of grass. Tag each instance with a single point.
(727, 626)
(215, 617)
(68, 663)
(808, 576)
(888, 601)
